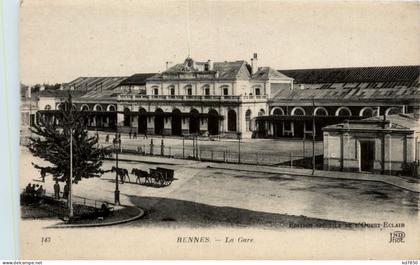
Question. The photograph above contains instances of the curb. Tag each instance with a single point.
(138, 216)
(319, 176)
(285, 172)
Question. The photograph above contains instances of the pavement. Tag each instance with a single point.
(406, 183)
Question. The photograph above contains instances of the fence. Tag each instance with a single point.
(227, 156)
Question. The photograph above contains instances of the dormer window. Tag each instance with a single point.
(156, 91)
(207, 91)
(257, 91)
(189, 91)
(172, 91)
(206, 67)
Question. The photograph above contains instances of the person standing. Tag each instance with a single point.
(66, 191)
(56, 190)
(43, 175)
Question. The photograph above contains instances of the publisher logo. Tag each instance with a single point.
(396, 237)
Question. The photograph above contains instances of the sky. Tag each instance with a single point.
(62, 40)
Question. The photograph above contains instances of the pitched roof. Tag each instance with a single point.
(348, 94)
(95, 83)
(408, 74)
(58, 93)
(226, 70)
(265, 73)
(137, 79)
(391, 122)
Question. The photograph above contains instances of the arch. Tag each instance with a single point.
(97, 107)
(84, 107)
(194, 121)
(47, 107)
(341, 110)
(248, 115)
(142, 121)
(298, 111)
(127, 117)
(159, 122)
(213, 122)
(59, 106)
(277, 111)
(261, 112)
(111, 107)
(320, 111)
(367, 112)
(176, 122)
(393, 110)
(231, 120)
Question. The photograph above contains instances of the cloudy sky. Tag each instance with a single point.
(61, 40)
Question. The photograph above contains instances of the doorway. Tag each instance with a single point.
(367, 156)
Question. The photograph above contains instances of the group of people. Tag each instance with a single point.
(35, 190)
(131, 135)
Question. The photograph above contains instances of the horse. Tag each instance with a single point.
(122, 173)
(141, 174)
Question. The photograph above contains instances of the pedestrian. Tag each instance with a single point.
(43, 174)
(56, 190)
(145, 134)
(40, 191)
(135, 135)
(129, 134)
(66, 191)
(107, 138)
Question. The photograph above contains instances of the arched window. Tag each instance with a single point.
(277, 111)
(248, 114)
(213, 122)
(393, 110)
(231, 120)
(84, 107)
(320, 111)
(97, 107)
(261, 112)
(367, 112)
(127, 117)
(47, 107)
(343, 111)
(159, 122)
(298, 111)
(111, 108)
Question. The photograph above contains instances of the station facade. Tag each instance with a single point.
(239, 99)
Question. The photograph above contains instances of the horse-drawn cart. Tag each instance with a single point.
(159, 176)
(162, 176)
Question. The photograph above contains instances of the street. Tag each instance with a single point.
(202, 196)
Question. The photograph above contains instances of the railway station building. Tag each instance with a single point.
(239, 99)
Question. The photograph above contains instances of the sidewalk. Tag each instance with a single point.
(410, 184)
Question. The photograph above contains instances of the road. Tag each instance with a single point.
(204, 196)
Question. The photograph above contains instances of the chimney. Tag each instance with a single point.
(210, 65)
(254, 63)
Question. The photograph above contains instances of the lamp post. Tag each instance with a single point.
(313, 136)
(117, 141)
(70, 202)
(239, 147)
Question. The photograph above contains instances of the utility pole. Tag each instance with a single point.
(117, 140)
(313, 136)
(239, 147)
(70, 202)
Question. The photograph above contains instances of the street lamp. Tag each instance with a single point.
(117, 146)
(239, 147)
(313, 136)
